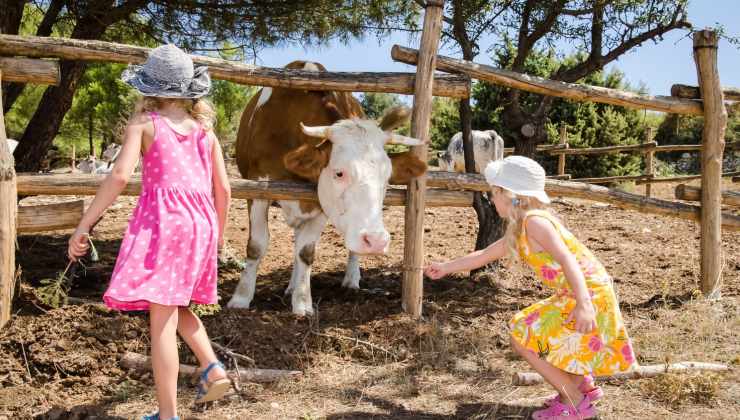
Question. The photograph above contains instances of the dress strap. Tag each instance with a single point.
(547, 215)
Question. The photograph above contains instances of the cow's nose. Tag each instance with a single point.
(375, 242)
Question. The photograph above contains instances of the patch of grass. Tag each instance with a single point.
(205, 310)
(127, 389)
(677, 389)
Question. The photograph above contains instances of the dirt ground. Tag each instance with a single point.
(360, 357)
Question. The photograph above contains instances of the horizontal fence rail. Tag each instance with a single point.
(75, 49)
(549, 87)
(446, 189)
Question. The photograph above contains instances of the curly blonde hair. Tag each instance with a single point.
(515, 218)
(200, 109)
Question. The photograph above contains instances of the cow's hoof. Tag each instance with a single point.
(239, 302)
(303, 310)
(351, 280)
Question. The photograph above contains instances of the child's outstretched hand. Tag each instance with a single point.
(78, 245)
(435, 270)
(584, 317)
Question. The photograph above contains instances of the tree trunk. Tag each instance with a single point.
(11, 14)
(490, 225)
(12, 91)
(45, 123)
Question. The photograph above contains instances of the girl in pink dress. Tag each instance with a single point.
(168, 255)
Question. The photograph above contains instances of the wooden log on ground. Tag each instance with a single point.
(608, 179)
(77, 49)
(692, 92)
(142, 363)
(413, 250)
(689, 193)
(548, 87)
(48, 217)
(86, 184)
(8, 200)
(475, 182)
(713, 142)
(642, 148)
(30, 70)
(681, 178)
(648, 371)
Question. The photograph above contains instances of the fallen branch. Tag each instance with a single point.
(232, 354)
(649, 371)
(357, 341)
(142, 363)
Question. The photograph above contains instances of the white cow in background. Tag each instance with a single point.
(487, 146)
(92, 165)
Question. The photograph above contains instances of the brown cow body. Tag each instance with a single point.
(271, 145)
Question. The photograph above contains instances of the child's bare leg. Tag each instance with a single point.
(192, 331)
(165, 361)
(566, 384)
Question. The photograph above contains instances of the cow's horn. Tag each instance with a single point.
(320, 131)
(394, 138)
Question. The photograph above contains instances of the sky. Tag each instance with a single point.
(657, 66)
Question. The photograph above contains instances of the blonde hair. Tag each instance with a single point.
(200, 109)
(515, 218)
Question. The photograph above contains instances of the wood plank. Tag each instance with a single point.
(476, 182)
(608, 179)
(692, 92)
(85, 184)
(678, 178)
(713, 143)
(30, 70)
(413, 252)
(8, 204)
(690, 193)
(48, 217)
(642, 148)
(242, 73)
(549, 87)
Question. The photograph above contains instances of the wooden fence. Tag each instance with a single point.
(711, 106)
(446, 189)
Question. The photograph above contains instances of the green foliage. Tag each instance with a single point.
(54, 292)
(445, 122)
(589, 124)
(376, 103)
(205, 310)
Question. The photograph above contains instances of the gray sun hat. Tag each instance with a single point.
(520, 175)
(169, 73)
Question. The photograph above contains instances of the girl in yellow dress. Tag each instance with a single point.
(578, 332)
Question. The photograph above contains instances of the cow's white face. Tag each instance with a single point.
(352, 186)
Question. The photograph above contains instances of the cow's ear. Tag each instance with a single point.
(308, 160)
(394, 118)
(405, 167)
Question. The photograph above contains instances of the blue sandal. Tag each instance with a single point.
(211, 391)
(155, 416)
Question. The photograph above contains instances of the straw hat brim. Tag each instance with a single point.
(198, 86)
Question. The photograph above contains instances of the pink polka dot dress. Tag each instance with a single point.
(168, 254)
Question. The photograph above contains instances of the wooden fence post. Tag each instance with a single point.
(564, 143)
(713, 142)
(414, 220)
(649, 156)
(8, 208)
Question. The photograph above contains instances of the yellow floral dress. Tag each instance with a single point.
(541, 328)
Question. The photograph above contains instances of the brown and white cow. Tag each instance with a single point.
(323, 137)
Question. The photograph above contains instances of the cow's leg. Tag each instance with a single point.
(352, 272)
(259, 239)
(307, 227)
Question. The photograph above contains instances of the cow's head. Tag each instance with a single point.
(353, 170)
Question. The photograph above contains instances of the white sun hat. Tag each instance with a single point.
(520, 175)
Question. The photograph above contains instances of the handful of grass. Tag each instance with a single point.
(54, 292)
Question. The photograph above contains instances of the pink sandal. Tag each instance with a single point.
(588, 389)
(560, 411)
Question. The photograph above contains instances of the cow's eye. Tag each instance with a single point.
(339, 174)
